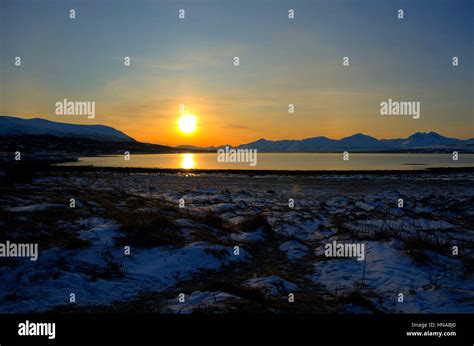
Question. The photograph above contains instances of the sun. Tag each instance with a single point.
(187, 123)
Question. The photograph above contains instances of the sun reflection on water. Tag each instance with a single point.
(187, 161)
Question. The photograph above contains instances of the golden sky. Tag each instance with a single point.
(190, 62)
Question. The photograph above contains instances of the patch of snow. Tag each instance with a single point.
(364, 206)
(294, 249)
(389, 271)
(248, 236)
(34, 207)
(198, 300)
(271, 285)
(155, 269)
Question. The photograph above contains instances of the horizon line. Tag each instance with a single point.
(258, 139)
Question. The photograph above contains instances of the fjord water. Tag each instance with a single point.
(285, 161)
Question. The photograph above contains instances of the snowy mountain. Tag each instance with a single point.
(361, 142)
(421, 139)
(12, 126)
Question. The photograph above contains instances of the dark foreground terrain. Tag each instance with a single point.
(231, 242)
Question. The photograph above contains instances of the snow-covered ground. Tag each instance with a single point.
(232, 241)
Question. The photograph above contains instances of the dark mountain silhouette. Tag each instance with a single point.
(361, 142)
(43, 138)
(40, 134)
(12, 126)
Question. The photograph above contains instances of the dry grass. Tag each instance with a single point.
(417, 245)
(148, 230)
(357, 298)
(44, 227)
(255, 222)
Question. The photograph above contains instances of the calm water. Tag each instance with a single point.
(286, 161)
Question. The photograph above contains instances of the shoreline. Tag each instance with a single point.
(89, 168)
(55, 166)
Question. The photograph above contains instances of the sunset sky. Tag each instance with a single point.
(282, 61)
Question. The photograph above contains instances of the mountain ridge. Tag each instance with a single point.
(40, 137)
(361, 142)
(14, 126)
